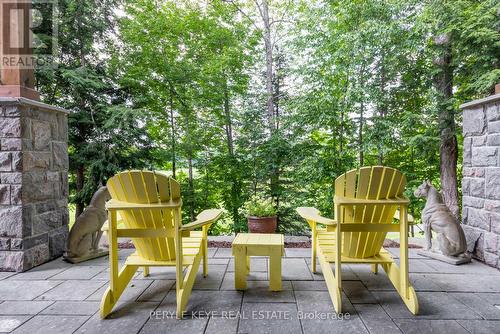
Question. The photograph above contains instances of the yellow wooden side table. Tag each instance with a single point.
(257, 244)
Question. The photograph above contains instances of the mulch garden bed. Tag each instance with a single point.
(227, 244)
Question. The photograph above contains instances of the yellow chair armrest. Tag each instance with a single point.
(339, 200)
(120, 205)
(312, 215)
(204, 218)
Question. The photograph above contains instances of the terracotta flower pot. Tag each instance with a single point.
(262, 224)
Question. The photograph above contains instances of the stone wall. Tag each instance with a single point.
(481, 176)
(33, 183)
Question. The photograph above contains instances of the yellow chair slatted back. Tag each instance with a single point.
(367, 183)
(146, 187)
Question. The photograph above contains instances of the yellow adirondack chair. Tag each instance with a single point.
(365, 203)
(150, 205)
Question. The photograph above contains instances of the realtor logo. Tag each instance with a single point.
(28, 33)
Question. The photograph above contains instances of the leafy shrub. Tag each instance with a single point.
(260, 207)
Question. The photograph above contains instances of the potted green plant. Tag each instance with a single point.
(261, 215)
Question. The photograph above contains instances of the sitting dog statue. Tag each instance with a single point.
(437, 217)
(83, 240)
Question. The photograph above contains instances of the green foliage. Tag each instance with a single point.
(258, 206)
(180, 86)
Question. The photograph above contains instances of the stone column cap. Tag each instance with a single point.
(474, 103)
(33, 103)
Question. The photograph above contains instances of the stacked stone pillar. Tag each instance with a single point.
(481, 176)
(33, 183)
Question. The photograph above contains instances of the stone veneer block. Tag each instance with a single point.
(481, 176)
(33, 183)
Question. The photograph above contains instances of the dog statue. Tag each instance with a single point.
(437, 217)
(83, 239)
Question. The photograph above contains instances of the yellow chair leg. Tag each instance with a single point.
(187, 286)
(112, 295)
(375, 268)
(334, 289)
(145, 272)
(394, 274)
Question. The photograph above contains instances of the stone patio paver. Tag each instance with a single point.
(58, 297)
(412, 326)
(269, 318)
(23, 307)
(376, 319)
(480, 326)
(127, 318)
(72, 308)
(43, 324)
(72, 290)
(9, 323)
(17, 290)
(79, 272)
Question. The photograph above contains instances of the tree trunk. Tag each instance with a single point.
(269, 63)
(80, 179)
(172, 129)
(448, 148)
(360, 134)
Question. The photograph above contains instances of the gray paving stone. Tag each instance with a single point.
(419, 266)
(412, 326)
(125, 318)
(175, 326)
(9, 323)
(295, 270)
(309, 286)
(100, 261)
(319, 316)
(376, 319)
(223, 252)
(492, 298)
(222, 325)
(42, 324)
(481, 326)
(6, 274)
(229, 285)
(432, 305)
(473, 268)
(72, 290)
(17, 290)
(466, 283)
(78, 272)
(214, 279)
(412, 253)
(23, 307)
(42, 272)
(211, 252)
(203, 302)
(263, 295)
(310, 301)
(134, 289)
(422, 282)
(269, 318)
(298, 252)
(219, 260)
(156, 291)
(228, 282)
(256, 264)
(347, 272)
(104, 275)
(372, 281)
(477, 304)
(155, 273)
(357, 292)
(72, 308)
